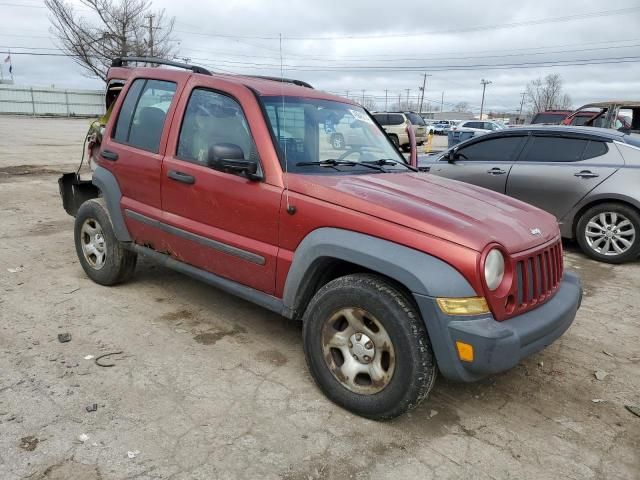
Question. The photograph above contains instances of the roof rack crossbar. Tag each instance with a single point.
(300, 83)
(120, 61)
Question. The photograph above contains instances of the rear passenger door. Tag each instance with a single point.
(555, 172)
(485, 163)
(133, 147)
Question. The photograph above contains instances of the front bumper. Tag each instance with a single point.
(498, 346)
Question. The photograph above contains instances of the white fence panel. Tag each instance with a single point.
(19, 100)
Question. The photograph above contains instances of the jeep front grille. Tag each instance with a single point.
(538, 276)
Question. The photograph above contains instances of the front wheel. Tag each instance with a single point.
(102, 256)
(610, 232)
(367, 347)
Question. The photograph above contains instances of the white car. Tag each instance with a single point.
(479, 127)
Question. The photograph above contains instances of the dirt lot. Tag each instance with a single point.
(209, 386)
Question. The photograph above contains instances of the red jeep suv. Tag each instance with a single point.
(395, 274)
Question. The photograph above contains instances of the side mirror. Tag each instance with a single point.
(451, 156)
(228, 157)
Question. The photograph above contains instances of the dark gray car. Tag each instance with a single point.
(589, 178)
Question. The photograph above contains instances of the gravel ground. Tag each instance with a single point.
(209, 386)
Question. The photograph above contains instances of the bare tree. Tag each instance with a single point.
(121, 28)
(369, 103)
(462, 107)
(546, 94)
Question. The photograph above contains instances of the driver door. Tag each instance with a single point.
(218, 221)
(486, 162)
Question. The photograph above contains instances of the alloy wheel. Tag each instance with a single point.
(610, 234)
(93, 243)
(358, 351)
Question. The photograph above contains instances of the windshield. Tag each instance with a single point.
(415, 118)
(309, 131)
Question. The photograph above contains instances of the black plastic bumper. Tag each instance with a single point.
(498, 346)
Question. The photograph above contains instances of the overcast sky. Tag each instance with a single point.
(351, 45)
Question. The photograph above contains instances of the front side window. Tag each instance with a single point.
(556, 149)
(305, 131)
(141, 119)
(502, 149)
(212, 118)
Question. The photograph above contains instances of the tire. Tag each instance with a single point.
(406, 148)
(337, 141)
(400, 351)
(610, 232)
(102, 256)
(395, 140)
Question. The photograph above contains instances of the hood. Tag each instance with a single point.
(458, 212)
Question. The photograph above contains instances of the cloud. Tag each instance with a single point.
(462, 34)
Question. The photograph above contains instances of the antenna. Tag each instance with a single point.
(290, 209)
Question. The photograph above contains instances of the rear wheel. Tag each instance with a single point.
(367, 347)
(102, 256)
(610, 233)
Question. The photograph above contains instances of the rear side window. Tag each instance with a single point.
(595, 149)
(556, 149)
(395, 119)
(143, 113)
(503, 149)
(553, 118)
(381, 119)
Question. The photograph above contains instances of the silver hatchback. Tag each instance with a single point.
(589, 178)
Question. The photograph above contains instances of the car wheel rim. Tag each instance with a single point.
(610, 234)
(93, 243)
(358, 351)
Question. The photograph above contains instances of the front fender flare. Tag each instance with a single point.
(419, 272)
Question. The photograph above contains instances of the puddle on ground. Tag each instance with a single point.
(182, 314)
(273, 357)
(210, 337)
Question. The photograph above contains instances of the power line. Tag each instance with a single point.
(563, 19)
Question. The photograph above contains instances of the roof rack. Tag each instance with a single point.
(120, 61)
(300, 83)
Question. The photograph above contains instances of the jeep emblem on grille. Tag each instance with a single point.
(535, 231)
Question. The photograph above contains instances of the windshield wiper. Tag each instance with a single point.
(332, 162)
(390, 161)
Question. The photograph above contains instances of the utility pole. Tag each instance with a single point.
(442, 103)
(484, 84)
(362, 97)
(521, 105)
(386, 96)
(408, 90)
(424, 85)
(151, 17)
(399, 101)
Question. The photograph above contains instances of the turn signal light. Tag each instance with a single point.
(465, 351)
(463, 306)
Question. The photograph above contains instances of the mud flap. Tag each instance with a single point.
(74, 192)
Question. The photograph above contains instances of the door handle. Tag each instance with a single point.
(586, 174)
(181, 177)
(109, 155)
(496, 171)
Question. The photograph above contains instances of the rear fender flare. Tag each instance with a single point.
(108, 185)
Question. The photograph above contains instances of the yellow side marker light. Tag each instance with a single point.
(465, 351)
(463, 306)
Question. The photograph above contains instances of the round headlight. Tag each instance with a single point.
(494, 269)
